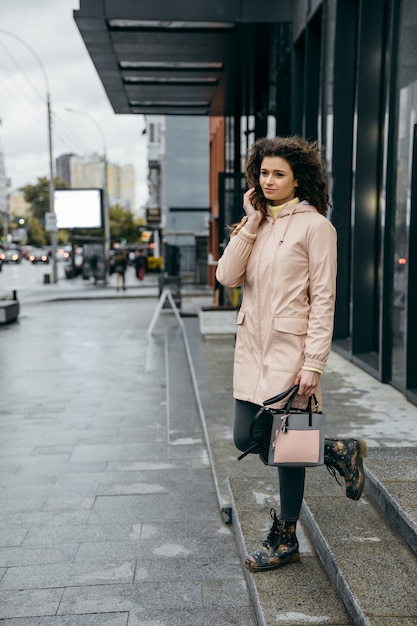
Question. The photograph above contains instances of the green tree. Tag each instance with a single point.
(38, 196)
(36, 234)
(123, 225)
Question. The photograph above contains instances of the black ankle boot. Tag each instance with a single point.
(279, 548)
(345, 456)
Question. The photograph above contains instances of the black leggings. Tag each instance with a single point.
(291, 479)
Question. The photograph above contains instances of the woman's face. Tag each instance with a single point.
(277, 180)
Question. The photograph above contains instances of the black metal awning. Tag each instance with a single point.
(182, 57)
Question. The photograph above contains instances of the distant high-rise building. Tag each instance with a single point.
(88, 172)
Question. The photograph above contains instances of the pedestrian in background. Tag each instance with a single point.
(120, 265)
(93, 260)
(283, 252)
(139, 263)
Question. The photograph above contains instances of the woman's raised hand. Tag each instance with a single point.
(254, 216)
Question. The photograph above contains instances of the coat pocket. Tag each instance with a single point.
(240, 337)
(289, 343)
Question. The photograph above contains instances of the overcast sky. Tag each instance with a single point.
(48, 27)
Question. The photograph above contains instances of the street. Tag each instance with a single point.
(28, 281)
(26, 275)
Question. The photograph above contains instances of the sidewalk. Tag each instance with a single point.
(109, 514)
(109, 505)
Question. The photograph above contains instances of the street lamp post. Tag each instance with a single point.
(51, 165)
(106, 217)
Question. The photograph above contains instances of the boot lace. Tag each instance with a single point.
(333, 473)
(273, 533)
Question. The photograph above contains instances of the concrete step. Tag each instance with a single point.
(357, 558)
(366, 572)
(297, 594)
(294, 596)
(392, 486)
(367, 559)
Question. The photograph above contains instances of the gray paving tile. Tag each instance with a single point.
(48, 466)
(219, 616)
(15, 505)
(110, 452)
(143, 465)
(67, 574)
(17, 556)
(164, 548)
(146, 508)
(21, 491)
(12, 536)
(100, 619)
(179, 531)
(178, 479)
(143, 612)
(40, 518)
(29, 603)
(8, 469)
(52, 534)
(68, 503)
(8, 451)
(101, 599)
(217, 593)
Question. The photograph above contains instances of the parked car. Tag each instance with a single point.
(11, 255)
(62, 254)
(26, 251)
(38, 256)
(74, 264)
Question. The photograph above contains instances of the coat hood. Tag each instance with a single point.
(288, 211)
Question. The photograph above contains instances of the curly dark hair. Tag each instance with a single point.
(306, 162)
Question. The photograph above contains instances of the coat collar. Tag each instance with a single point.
(288, 211)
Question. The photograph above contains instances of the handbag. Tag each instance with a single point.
(288, 437)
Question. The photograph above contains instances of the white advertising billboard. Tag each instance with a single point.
(78, 208)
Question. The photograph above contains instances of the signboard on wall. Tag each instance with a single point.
(153, 215)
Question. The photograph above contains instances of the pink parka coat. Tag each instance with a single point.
(285, 321)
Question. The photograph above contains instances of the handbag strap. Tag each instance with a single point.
(292, 392)
(281, 396)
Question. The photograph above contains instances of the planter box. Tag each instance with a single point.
(217, 320)
(9, 311)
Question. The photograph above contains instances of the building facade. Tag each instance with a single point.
(342, 72)
(178, 176)
(88, 172)
(354, 88)
(186, 179)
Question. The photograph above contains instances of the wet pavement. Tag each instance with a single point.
(109, 513)
(109, 506)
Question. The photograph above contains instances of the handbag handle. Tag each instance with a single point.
(292, 390)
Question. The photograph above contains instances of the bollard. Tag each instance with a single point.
(46, 279)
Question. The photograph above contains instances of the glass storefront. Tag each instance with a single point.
(407, 118)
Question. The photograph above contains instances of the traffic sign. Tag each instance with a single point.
(50, 223)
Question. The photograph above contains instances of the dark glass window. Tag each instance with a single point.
(407, 118)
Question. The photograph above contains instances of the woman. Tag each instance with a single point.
(283, 252)
(140, 264)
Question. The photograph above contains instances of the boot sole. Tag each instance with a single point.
(254, 568)
(362, 448)
(362, 451)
